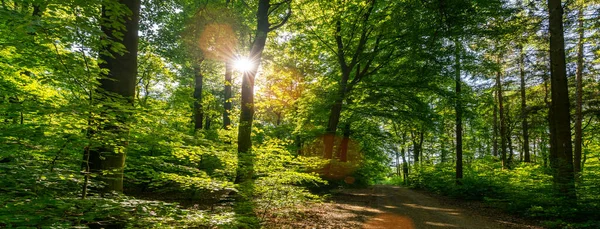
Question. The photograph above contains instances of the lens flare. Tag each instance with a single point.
(243, 64)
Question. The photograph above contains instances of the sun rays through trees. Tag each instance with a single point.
(245, 114)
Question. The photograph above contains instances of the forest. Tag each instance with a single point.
(299, 113)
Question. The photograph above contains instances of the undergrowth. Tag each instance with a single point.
(524, 190)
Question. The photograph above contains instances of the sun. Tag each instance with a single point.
(243, 64)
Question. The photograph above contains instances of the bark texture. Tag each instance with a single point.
(579, 95)
(343, 150)
(561, 152)
(116, 88)
(245, 158)
(524, 124)
(495, 128)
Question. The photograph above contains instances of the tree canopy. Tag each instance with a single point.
(182, 113)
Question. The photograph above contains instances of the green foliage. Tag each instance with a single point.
(393, 180)
(281, 176)
(41, 192)
(525, 190)
(398, 58)
(117, 211)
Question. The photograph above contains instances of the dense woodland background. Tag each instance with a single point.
(138, 114)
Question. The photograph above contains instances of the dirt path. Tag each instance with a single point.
(391, 207)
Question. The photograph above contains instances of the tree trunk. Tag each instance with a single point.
(442, 140)
(198, 111)
(404, 162)
(245, 156)
(495, 128)
(546, 141)
(579, 99)
(417, 139)
(343, 151)
(298, 143)
(336, 109)
(334, 119)
(118, 87)
(207, 122)
(458, 110)
(416, 147)
(421, 139)
(524, 124)
(561, 154)
(404, 166)
(502, 117)
(244, 207)
(227, 96)
(38, 9)
(346, 69)
(544, 152)
(398, 166)
(278, 121)
(508, 137)
(535, 150)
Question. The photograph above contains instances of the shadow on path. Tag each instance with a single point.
(388, 207)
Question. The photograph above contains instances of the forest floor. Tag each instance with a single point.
(396, 207)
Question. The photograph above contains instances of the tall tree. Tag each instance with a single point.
(579, 93)
(198, 109)
(561, 152)
(263, 27)
(404, 162)
(116, 92)
(417, 139)
(227, 93)
(524, 123)
(245, 156)
(458, 109)
(346, 67)
(208, 36)
(503, 143)
(495, 126)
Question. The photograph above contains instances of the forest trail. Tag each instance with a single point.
(396, 207)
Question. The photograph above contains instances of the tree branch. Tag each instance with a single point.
(363, 37)
(283, 21)
(340, 46)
